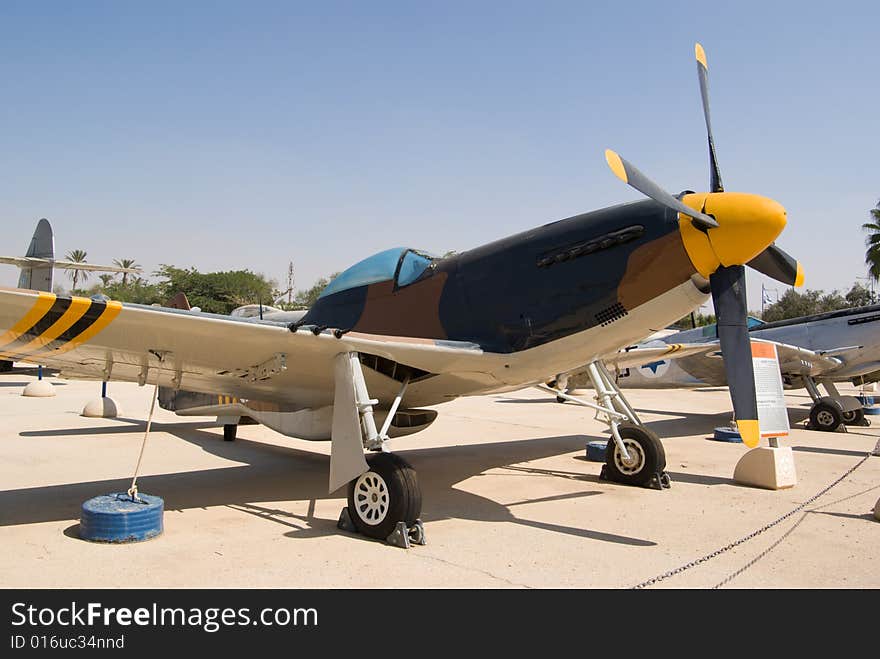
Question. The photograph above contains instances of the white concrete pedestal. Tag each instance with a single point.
(39, 389)
(771, 468)
(104, 408)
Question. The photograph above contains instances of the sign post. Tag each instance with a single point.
(769, 467)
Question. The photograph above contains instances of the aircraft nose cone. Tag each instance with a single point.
(747, 225)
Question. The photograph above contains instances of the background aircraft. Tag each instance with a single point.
(401, 325)
(838, 346)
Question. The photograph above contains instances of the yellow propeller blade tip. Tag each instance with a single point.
(701, 56)
(749, 431)
(799, 277)
(616, 165)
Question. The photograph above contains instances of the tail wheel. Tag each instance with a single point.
(646, 456)
(229, 431)
(826, 417)
(384, 495)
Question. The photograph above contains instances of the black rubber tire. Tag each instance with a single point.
(404, 495)
(229, 431)
(854, 418)
(825, 417)
(560, 399)
(5, 366)
(648, 448)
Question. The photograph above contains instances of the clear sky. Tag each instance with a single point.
(227, 135)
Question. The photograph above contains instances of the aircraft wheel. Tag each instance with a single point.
(854, 418)
(229, 431)
(826, 417)
(647, 456)
(560, 399)
(384, 495)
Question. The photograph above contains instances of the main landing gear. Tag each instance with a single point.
(634, 455)
(384, 500)
(833, 411)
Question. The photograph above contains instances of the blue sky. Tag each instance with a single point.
(228, 135)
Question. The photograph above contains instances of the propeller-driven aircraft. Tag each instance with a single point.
(821, 349)
(401, 331)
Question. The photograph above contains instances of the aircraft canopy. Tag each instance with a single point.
(401, 263)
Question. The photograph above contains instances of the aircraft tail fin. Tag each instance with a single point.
(39, 278)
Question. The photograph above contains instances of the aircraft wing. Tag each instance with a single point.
(641, 355)
(34, 262)
(704, 360)
(208, 353)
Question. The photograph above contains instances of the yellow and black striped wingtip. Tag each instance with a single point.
(700, 55)
(55, 325)
(616, 165)
(750, 431)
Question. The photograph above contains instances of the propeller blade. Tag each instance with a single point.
(776, 263)
(627, 173)
(729, 295)
(703, 75)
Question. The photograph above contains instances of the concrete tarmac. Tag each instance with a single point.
(509, 500)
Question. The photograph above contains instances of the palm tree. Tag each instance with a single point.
(125, 263)
(872, 254)
(77, 256)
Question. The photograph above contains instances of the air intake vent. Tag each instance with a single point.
(608, 315)
(577, 250)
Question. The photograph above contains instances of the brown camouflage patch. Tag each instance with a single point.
(412, 311)
(643, 280)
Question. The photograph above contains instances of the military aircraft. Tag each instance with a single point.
(38, 266)
(820, 349)
(401, 331)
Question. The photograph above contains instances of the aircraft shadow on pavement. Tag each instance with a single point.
(285, 474)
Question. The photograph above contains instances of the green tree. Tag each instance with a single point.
(872, 254)
(859, 296)
(77, 256)
(306, 298)
(138, 291)
(216, 292)
(125, 263)
(794, 305)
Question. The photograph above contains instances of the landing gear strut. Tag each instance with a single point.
(634, 455)
(384, 500)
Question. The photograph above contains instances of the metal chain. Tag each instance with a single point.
(736, 543)
(757, 558)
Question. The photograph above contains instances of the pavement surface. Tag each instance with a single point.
(509, 500)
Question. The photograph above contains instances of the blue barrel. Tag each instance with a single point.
(866, 400)
(596, 450)
(727, 435)
(872, 410)
(117, 518)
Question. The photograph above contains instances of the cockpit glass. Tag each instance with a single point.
(406, 263)
(412, 267)
(376, 268)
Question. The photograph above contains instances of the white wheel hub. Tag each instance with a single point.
(636, 460)
(825, 418)
(371, 498)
